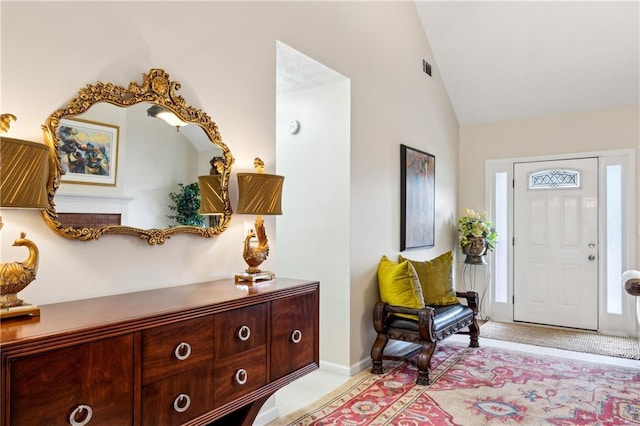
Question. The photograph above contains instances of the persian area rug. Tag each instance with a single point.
(482, 386)
(560, 338)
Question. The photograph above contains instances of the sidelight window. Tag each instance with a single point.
(614, 243)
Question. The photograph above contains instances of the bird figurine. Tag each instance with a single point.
(255, 255)
(15, 276)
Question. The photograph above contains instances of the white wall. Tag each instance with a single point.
(590, 131)
(157, 159)
(393, 102)
(223, 53)
(313, 233)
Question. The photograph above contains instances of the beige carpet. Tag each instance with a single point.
(560, 338)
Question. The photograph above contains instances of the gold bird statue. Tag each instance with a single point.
(15, 276)
(255, 255)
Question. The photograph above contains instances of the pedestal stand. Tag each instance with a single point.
(470, 282)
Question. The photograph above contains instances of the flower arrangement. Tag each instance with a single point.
(474, 224)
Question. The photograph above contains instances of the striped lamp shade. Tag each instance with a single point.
(24, 171)
(259, 193)
(210, 195)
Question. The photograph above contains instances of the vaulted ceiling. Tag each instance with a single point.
(503, 60)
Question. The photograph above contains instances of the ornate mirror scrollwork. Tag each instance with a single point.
(156, 91)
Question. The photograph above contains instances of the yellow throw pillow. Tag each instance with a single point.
(399, 285)
(436, 279)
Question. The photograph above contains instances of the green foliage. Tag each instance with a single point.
(186, 205)
(474, 224)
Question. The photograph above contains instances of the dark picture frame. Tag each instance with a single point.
(417, 198)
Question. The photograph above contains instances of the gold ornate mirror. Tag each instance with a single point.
(109, 148)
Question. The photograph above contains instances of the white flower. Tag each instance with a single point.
(474, 224)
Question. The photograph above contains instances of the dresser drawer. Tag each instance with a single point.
(176, 347)
(240, 330)
(237, 376)
(179, 398)
(92, 381)
(293, 333)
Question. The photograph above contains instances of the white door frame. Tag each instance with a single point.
(621, 324)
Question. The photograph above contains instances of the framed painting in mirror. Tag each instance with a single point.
(417, 198)
(89, 151)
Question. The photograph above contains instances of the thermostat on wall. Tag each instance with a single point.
(294, 126)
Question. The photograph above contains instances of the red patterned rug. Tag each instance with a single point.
(483, 386)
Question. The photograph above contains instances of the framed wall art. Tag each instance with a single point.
(417, 199)
(89, 151)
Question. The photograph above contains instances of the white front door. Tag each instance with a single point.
(555, 243)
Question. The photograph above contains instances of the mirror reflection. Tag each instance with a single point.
(119, 163)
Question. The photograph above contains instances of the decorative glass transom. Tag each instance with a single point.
(554, 179)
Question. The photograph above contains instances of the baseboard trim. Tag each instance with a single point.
(334, 368)
(364, 363)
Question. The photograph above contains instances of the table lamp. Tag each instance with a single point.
(24, 171)
(259, 194)
(211, 202)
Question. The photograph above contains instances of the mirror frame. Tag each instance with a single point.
(158, 89)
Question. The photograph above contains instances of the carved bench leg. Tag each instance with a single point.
(474, 332)
(424, 363)
(377, 351)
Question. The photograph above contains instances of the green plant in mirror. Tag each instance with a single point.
(186, 205)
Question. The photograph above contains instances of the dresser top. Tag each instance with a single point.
(144, 308)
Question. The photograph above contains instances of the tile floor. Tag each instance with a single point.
(315, 385)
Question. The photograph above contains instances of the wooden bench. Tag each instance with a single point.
(433, 324)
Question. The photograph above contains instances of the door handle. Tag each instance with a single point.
(591, 257)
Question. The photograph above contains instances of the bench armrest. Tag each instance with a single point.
(425, 317)
(471, 298)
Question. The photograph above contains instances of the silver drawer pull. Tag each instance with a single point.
(181, 403)
(244, 333)
(183, 350)
(79, 411)
(241, 376)
(296, 336)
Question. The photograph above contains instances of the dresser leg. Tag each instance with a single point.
(243, 416)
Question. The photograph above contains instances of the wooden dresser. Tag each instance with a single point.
(207, 353)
